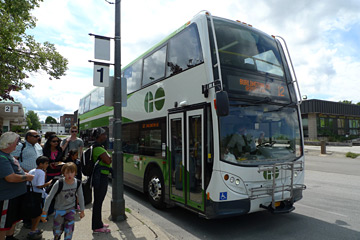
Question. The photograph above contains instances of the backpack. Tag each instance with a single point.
(87, 163)
(21, 151)
(61, 184)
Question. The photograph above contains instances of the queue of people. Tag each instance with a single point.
(29, 167)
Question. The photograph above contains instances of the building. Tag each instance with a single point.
(330, 120)
(67, 120)
(53, 127)
(11, 114)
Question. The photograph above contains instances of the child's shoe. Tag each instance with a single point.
(106, 225)
(34, 235)
(102, 230)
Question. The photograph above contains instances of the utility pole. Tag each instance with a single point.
(117, 201)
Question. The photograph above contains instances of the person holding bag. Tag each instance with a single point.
(12, 186)
(54, 152)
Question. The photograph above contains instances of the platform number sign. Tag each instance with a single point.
(101, 75)
(7, 108)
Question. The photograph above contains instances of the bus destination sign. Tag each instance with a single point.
(258, 87)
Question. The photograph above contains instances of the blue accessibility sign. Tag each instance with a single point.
(223, 195)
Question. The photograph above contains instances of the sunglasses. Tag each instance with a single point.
(73, 131)
(55, 141)
(35, 136)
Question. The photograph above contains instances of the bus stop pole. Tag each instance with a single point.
(117, 201)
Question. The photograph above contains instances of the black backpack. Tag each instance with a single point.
(87, 163)
(61, 184)
(21, 151)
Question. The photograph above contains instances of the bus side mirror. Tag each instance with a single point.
(222, 104)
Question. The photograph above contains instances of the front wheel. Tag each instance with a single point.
(156, 188)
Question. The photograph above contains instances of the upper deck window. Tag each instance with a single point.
(247, 49)
(184, 51)
(133, 76)
(154, 66)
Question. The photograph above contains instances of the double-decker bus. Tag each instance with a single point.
(212, 121)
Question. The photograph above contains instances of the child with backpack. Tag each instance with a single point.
(38, 184)
(64, 192)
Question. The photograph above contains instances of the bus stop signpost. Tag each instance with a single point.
(101, 78)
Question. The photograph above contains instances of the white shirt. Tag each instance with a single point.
(38, 180)
(29, 155)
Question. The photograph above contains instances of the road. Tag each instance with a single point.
(330, 209)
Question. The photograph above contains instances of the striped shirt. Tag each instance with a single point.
(29, 155)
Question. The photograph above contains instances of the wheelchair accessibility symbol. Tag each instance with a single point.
(223, 195)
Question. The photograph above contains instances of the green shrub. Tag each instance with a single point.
(352, 155)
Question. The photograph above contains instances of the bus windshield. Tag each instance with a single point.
(244, 49)
(260, 134)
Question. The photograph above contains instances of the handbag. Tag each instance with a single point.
(31, 207)
(87, 190)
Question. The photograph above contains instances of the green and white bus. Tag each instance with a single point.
(212, 121)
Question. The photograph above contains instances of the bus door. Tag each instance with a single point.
(186, 144)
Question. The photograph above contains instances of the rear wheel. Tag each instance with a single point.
(156, 188)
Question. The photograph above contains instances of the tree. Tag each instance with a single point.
(346, 101)
(20, 54)
(32, 120)
(50, 120)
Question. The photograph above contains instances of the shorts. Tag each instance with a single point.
(10, 212)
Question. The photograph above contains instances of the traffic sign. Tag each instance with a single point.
(101, 74)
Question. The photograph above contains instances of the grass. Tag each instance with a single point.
(127, 210)
(352, 155)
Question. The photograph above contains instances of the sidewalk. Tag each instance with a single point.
(135, 226)
(332, 150)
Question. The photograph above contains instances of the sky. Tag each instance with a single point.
(323, 38)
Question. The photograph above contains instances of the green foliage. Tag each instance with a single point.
(346, 101)
(352, 155)
(19, 52)
(50, 120)
(17, 129)
(33, 120)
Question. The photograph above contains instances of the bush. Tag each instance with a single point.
(352, 155)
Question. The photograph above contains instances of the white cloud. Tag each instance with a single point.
(326, 66)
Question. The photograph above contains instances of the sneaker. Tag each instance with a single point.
(102, 230)
(106, 225)
(34, 235)
(11, 238)
(39, 231)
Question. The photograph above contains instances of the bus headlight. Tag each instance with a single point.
(234, 183)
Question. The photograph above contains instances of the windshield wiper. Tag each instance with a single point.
(288, 105)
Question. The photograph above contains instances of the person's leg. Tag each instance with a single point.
(100, 190)
(58, 227)
(69, 224)
(11, 231)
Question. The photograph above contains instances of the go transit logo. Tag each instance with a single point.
(270, 175)
(158, 101)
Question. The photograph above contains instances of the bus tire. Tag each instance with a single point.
(155, 188)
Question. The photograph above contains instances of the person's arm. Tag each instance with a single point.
(15, 178)
(105, 158)
(65, 143)
(45, 185)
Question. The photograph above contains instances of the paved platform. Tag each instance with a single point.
(135, 226)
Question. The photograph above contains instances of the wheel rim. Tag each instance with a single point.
(154, 188)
